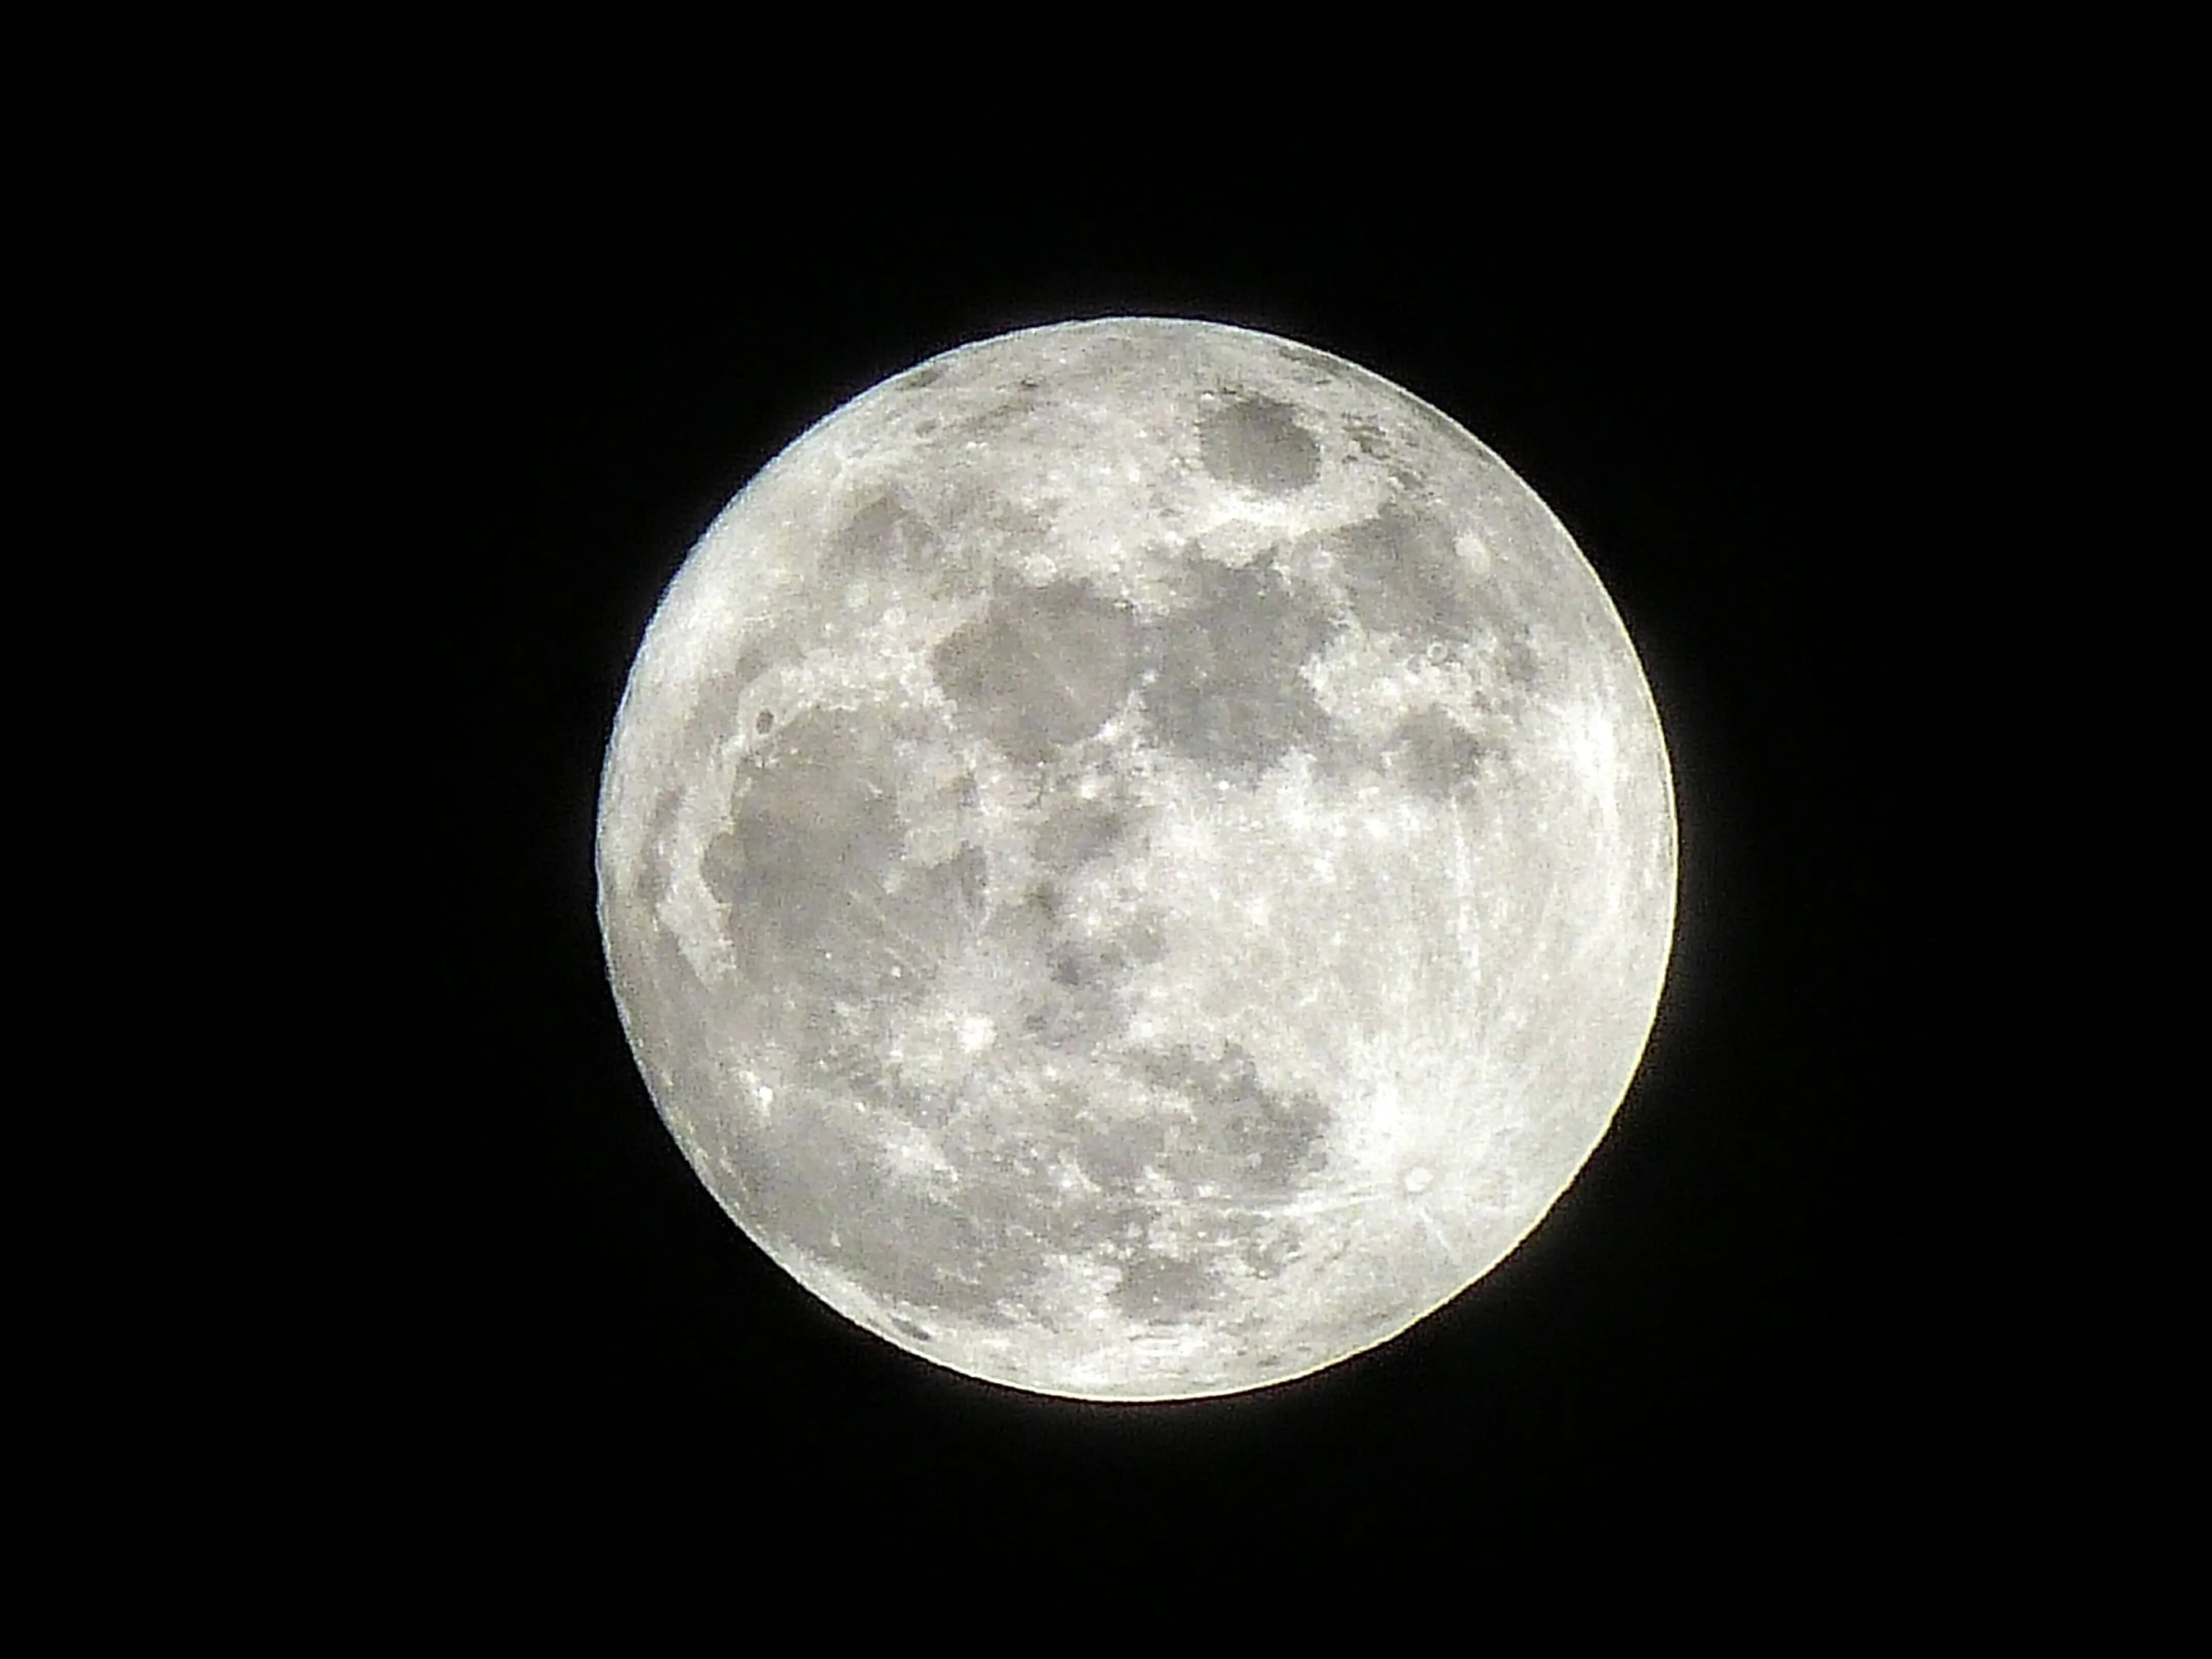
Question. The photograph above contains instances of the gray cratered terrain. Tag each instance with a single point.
(1137, 859)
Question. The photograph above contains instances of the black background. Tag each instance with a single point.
(433, 349)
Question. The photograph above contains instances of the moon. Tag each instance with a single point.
(1137, 859)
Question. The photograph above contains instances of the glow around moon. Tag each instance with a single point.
(1137, 859)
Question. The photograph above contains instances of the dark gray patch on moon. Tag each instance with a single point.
(1257, 442)
(1081, 1002)
(1080, 832)
(882, 536)
(1086, 964)
(1165, 1289)
(1116, 1154)
(806, 861)
(1524, 668)
(1044, 668)
(1403, 574)
(813, 829)
(1238, 1135)
(1432, 754)
(1226, 690)
(964, 877)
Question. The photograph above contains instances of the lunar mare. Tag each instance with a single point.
(1137, 859)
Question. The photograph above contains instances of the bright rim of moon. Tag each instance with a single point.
(1137, 859)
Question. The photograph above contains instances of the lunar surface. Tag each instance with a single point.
(1137, 859)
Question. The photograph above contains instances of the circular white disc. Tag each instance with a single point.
(1137, 859)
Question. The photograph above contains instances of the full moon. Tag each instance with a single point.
(1137, 859)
